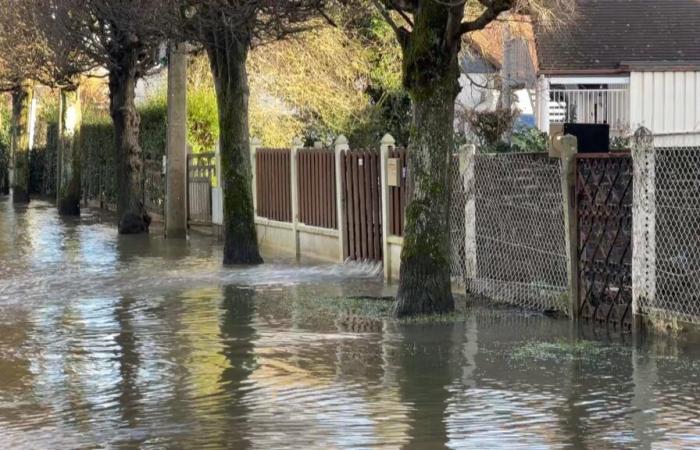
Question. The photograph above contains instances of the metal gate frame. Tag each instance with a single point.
(604, 185)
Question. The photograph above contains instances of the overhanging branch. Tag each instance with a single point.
(491, 13)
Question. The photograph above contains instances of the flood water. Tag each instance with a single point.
(135, 342)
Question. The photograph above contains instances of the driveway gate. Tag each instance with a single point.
(201, 169)
(362, 200)
(604, 209)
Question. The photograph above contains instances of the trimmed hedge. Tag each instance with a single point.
(96, 140)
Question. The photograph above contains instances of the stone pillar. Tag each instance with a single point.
(387, 145)
(341, 146)
(644, 220)
(466, 162)
(176, 164)
(569, 146)
(294, 177)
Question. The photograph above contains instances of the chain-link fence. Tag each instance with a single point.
(507, 224)
(673, 270)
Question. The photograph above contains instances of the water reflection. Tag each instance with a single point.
(108, 341)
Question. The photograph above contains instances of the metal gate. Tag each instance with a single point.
(154, 187)
(200, 172)
(362, 201)
(604, 210)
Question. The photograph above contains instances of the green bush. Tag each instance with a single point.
(202, 120)
(152, 133)
(529, 140)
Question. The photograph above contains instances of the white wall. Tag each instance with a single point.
(668, 103)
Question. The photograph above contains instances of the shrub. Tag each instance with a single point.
(202, 120)
(489, 127)
(529, 140)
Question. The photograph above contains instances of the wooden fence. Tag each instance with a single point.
(317, 191)
(273, 184)
(398, 194)
(361, 181)
(201, 170)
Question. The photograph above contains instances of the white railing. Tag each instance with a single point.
(609, 106)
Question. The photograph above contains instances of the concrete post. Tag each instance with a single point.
(255, 144)
(341, 145)
(386, 146)
(644, 223)
(466, 162)
(294, 177)
(176, 144)
(569, 146)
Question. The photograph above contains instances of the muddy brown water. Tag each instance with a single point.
(138, 342)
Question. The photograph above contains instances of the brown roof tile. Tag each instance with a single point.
(606, 34)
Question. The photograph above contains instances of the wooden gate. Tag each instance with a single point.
(362, 201)
(200, 172)
(604, 210)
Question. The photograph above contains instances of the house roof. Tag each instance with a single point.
(610, 36)
(488, 43)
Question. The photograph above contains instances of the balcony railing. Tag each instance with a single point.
(609, 106)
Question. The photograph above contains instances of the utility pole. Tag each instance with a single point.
(176, 143)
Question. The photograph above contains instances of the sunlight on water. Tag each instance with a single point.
(109, 341)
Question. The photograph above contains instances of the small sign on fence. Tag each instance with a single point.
(393, 172)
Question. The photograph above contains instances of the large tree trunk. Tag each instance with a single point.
(19, 149)
(131, 211)
(431, 77)
(68, 188)
(227, 56)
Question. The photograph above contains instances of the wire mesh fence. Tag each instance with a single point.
(672, 273)
(507, 224)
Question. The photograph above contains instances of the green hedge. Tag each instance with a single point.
(97, 152)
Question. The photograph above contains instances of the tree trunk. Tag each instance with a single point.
(19, 150)
(227, 57)
(131, 211)
(68, 188)
(431, 77)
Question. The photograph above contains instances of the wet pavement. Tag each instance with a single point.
(138, 342)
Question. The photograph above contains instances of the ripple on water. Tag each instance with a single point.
(109, 341)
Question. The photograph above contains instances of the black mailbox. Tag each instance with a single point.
(591, 137)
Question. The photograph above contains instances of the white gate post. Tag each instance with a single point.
(341, 145)
(466, 161)
(387, 145)
(643, 220)
(294, 177)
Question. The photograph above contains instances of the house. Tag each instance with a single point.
(627, 63)
(496, 62)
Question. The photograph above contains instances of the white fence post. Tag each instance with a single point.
(254, 146)
(466, 161)
(294, 177)
(644, 220)
(387, 144)
(341, 145)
